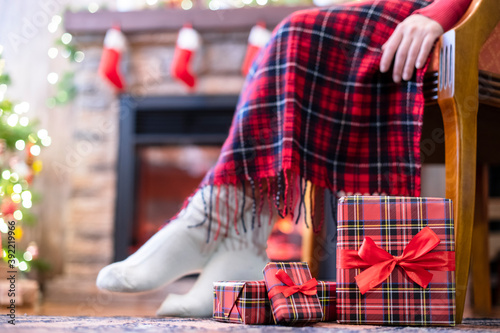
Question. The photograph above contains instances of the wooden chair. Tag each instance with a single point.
(458, 90)
(456, 83)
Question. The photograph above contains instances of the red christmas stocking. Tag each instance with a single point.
(188, 42)
(258, 37)
(109, 67)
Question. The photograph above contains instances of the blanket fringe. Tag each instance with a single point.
(210, 213)
(228, 218)
(261, 203)
(312, 206)
(269, 196)
(243, 205)
(217, 197)
(236, 211)
(301, 201)
(277, 197)
(286, 194)
(254, 201)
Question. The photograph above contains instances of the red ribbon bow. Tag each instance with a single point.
(415, 260)
(308, 288)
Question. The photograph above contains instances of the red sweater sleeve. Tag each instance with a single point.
(445, 12)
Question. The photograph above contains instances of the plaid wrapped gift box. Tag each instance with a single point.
(327, 294)
(246, 302)
(293, 293)
(243, 302)
(408, 243)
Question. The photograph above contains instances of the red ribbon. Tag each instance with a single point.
(415, 260)
(290, 288)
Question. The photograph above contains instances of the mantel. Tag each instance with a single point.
(240, 19)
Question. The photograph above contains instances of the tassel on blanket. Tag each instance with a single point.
(210, 213)
(291, 189)
(280, 192)
(261, 202)
(301, 196)
(228, 219)
(217, 213)
(270, 200)
(243, 206)
(303, 201)
(235, 219)
(254, 202)
(277, 197)
(312, 205)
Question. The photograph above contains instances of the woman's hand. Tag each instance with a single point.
(409, 46)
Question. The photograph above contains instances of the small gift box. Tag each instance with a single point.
(327, 294)
(243, 302)
(293, 293)
(246, 302)
(395, 261)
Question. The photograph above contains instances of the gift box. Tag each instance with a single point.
(247, 302)
(293, 293)
(243, 302)
(395, 261)
(327, 294)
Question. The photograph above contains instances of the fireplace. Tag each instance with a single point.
(166, 145)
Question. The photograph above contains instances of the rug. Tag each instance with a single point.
(145, 325)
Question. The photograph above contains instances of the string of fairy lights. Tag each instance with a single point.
(126, 5)
(20, 145)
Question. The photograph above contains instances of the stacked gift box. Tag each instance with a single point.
(260, 302)
(395, 266)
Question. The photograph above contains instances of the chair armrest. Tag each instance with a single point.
(459, 47)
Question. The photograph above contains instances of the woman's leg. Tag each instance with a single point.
(207, 227)
(236, 258)
(230, 262)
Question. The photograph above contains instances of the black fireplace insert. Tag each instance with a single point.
(147, 123)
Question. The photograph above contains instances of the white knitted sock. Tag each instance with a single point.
(177, 250)
(174, 251)
(223, 266)
(238, 257)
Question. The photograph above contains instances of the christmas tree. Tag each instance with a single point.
(20, 144)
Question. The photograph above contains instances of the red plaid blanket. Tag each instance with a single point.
(315, 105)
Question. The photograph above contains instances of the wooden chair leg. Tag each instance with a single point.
(312, 243)
(309, 242)
(480, 255)
(460, 188)
(460, 127)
